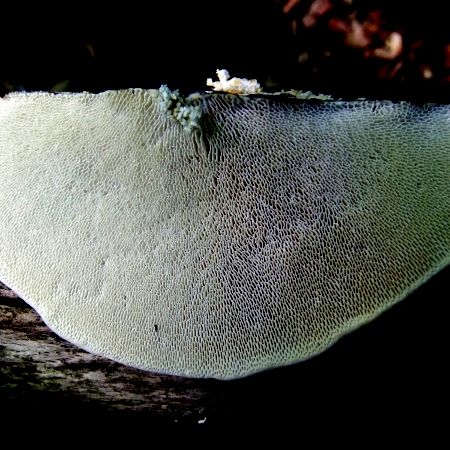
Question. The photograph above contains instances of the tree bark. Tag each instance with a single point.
(38, 367)
(397, 364)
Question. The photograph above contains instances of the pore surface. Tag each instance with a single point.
(252, 243)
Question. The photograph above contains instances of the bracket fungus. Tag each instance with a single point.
(252, 238)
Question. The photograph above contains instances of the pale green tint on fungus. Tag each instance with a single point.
(251, 240)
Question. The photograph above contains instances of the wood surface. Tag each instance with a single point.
(396, 364)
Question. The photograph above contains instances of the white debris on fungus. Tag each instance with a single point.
(233, 85)
(312, 218)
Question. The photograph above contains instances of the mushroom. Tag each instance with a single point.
(253, 238)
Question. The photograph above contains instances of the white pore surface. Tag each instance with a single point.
(256, 244)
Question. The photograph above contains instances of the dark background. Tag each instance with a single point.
(282, 43)
(389, 376)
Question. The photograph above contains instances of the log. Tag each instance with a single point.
(37, 365)
(394, 364)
